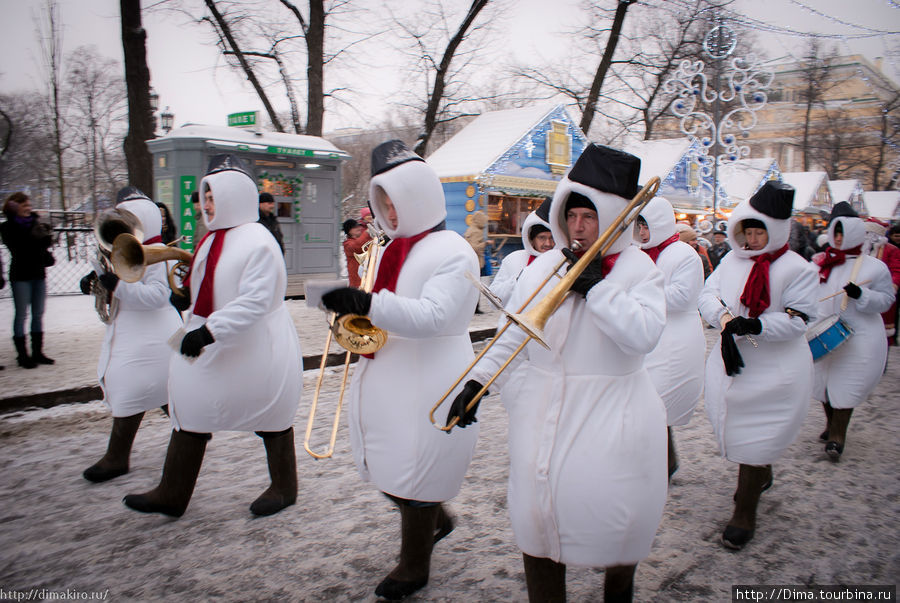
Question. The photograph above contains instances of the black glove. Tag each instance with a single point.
(853, 290)
(744, 326)
(570, 255)
(109, 280)
(86, 281)
(592, 275)
(348, 300)
(181, 302)
(458, 408)
(731, 357)
(194, 341)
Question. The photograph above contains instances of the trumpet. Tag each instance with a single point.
(354, 333)
(533, 321)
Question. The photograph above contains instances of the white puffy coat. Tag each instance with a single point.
(513, 264)
(847, 376)
(250, 378)
(133, 368)
(757, 414)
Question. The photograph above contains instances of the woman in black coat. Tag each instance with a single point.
(28, 241)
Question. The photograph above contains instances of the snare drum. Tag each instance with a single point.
(827, 335)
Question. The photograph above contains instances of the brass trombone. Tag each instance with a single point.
(354, 333)
(534, 320)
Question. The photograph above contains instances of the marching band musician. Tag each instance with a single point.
(845, 377)
(422, 299)
(587, 471)
(756, 397)
(536, 239)
(676, 364)
(133, 368)
(238, 366)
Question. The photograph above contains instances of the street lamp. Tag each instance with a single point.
(167, 120)
(154, 100)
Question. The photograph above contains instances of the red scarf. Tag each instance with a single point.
(392, 260)
(204, 304)
(654, 252)
(531, 258)
(152, 240)
(834, 257)
(756, 289)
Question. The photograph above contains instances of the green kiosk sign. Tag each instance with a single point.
(247, 118)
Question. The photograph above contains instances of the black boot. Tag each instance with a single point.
(417, 541)
(618, 584)
(183, 460)
(282, 461)
(837, 434)
(742, 525)
(115, 462)
(828, 413)
(24, 360)
(545, 579)
(37, 349)
(445, 523)
(673, 457)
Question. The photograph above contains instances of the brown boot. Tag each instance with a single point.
(673, 456)
(742, 525)
(115, 462)
(183, 460)
(837, 433)
(618, 584)
(282, 461)
(417, 540)
(545, 579)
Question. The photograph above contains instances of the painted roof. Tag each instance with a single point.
(658, 157)
(883, 204)
(477, 146)
(843, 190)
(255, 140)
(806, 187)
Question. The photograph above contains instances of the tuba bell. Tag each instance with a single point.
(107, 227)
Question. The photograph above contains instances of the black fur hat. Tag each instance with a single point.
(608, 170)
(227, 161)
(543, 210)
(775, 199)
(842, 210)
(130, 193)
(389, 155)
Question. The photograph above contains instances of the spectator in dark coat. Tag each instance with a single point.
(268, 218)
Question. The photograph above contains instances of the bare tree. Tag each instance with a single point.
(314, 34)
(137, 82)
(817, 79)
(50, 37)
(29, 133)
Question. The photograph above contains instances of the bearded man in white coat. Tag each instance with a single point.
(759, 376)
(133, 368)
(676, 364)
(846, 376)
(238, 366)
(536, 239)
(587, 430)
(423, 300)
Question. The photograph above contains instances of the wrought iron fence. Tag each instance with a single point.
(73, 246)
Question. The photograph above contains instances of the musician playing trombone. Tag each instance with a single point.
(133, 368)
(237, 368)
(846, 377)
(587, 430)
(759, 375)
(423, 300)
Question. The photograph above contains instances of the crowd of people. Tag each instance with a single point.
(594, 393)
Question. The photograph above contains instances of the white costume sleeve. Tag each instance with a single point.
(878, 295)
(254, 300)
(801, 295)
(685, 284)
(439, 305)
(150, 293)
(503, 283)
(635, 317)
(709, 306)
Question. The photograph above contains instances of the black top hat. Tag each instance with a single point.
(227, 161)
(266, 198)
(389, 155)
(130, 193)
(608, 170)
(842, 209)
(349, 224)
(543, 210)
(775, 199)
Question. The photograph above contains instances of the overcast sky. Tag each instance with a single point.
(182, 62)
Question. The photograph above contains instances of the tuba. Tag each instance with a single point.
(109, 225)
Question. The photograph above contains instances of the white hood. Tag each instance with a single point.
(236, 198)
(608, 207)
(417, 195)
(147, 212)
(531, 219)
(778, 230)
(854, 232)
(660, 218)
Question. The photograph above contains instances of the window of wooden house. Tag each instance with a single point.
(507, 213)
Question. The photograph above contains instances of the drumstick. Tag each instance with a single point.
(865, 282)
(730, 313)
